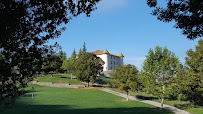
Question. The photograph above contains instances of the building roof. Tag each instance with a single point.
(100, 52)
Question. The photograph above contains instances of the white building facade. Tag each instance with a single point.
(111, 60)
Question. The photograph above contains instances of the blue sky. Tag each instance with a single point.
(123, 26)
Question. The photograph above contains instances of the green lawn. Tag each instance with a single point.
(105, 81)
(58, 78)
(64, 100)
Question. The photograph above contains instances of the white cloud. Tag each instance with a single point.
(106, 5)
(137, 61)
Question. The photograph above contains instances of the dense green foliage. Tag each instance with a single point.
(88, 66)
(76, 101)
(126, 78)
(190, 79)
(159, 70)
(187, 15)
(54, 63)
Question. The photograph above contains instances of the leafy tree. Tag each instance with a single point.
(126, 78)
(190, 79)
(25, 28)
(84, 48)
(187, 15)
(88, 66)
(69, 64)
(159, 69)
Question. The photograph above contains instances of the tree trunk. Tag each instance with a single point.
(162, 103)
(71, 76)
(127, 96)
(88, 81)
(52, 75)
(162, 99)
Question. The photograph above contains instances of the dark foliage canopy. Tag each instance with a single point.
(25, 27)
(187, 14)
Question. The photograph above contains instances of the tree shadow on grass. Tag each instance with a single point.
(65, 77)
(100, 81)
(146, 98)
(66, 109)
(184, 106)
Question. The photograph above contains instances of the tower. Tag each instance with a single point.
(121, 58)
(105, 54)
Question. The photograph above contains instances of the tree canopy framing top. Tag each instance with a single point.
(187, 14)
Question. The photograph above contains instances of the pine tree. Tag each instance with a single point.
(80, 52)
(74, 54)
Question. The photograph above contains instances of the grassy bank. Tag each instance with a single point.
(58, 78)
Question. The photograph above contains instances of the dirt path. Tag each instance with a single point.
(172, 109)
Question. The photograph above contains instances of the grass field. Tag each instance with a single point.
(73, 101)
(58, 78)
(105, 81)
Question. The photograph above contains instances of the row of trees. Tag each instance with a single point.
(164, 76)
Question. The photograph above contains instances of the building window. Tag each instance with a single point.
(114, 63)
(111, 62)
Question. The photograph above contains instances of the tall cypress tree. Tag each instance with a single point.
(74, 54)
(84, 50)
(80, 52)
